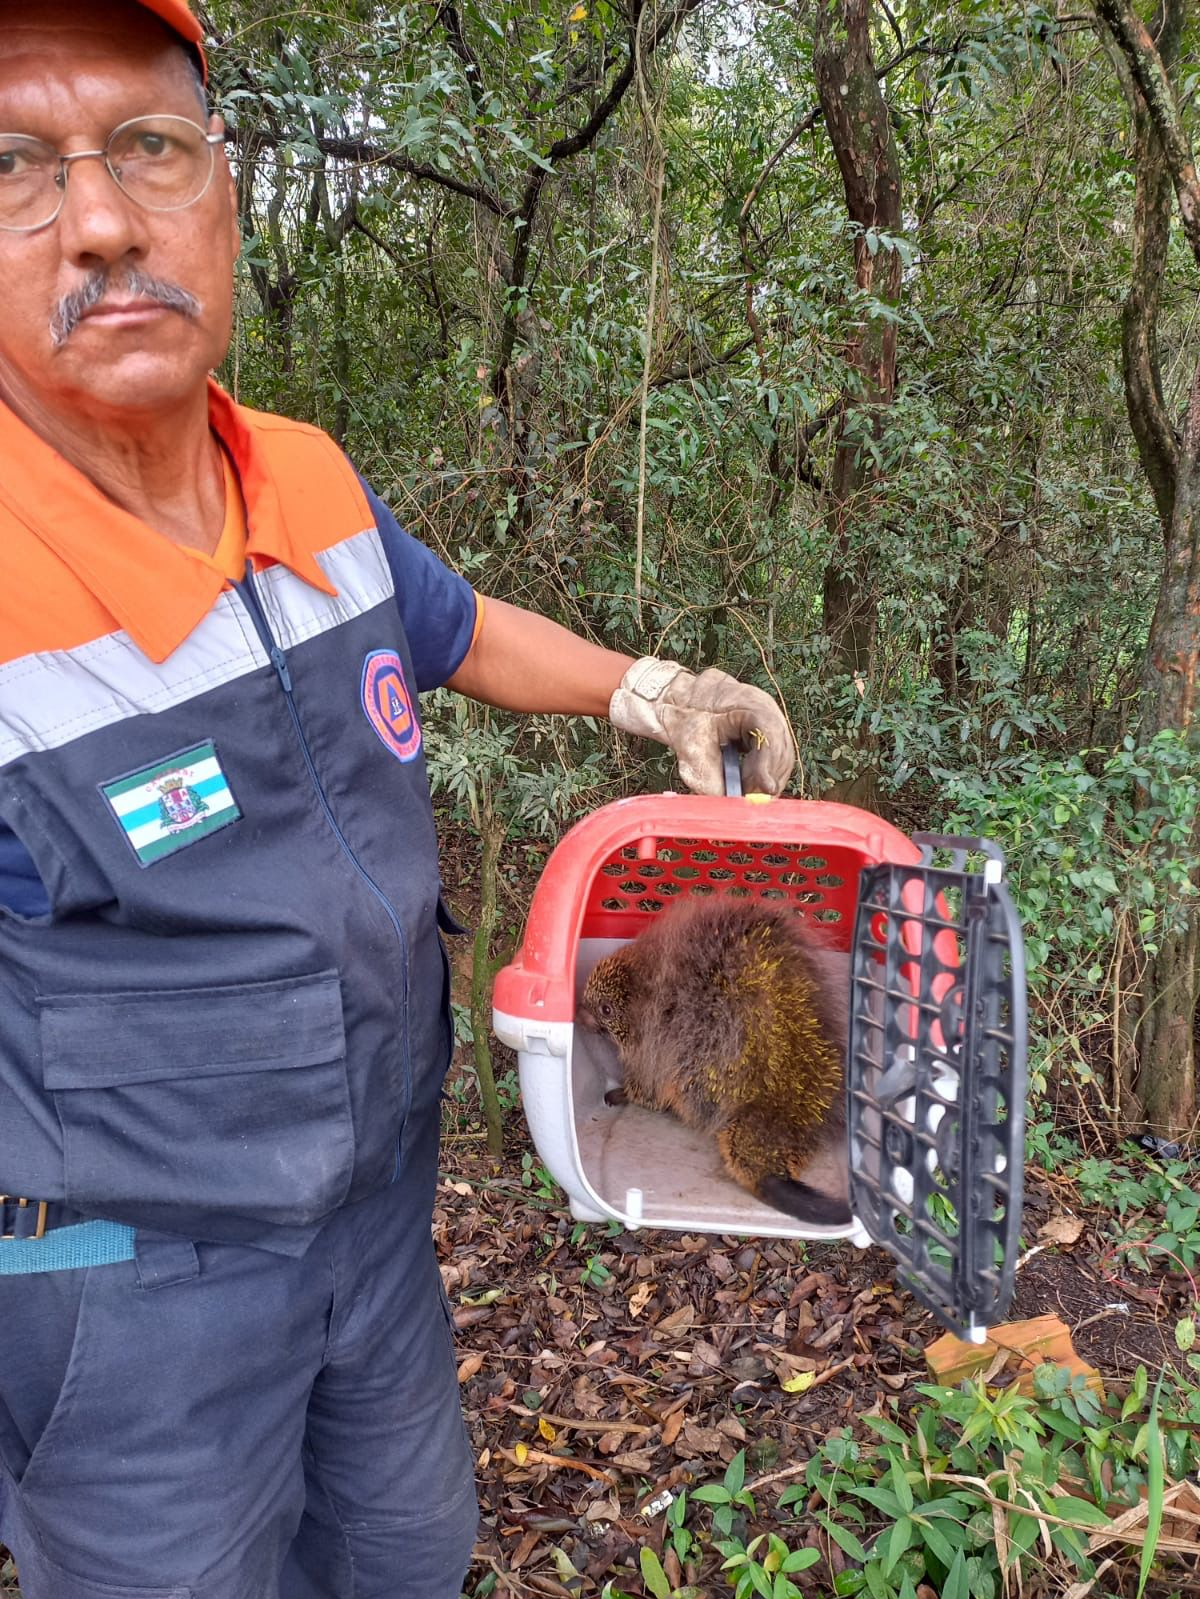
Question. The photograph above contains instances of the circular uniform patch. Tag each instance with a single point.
(389, 705)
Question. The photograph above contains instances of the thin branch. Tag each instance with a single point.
(452, 23)
(368, 154)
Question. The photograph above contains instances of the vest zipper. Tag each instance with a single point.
(249, 596)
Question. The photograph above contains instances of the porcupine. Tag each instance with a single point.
(719, 1016)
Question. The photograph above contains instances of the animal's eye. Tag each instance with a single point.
(606, 1009)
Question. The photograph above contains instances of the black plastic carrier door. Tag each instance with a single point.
(936, 1078)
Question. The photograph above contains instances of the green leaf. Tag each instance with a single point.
(956, 1579)
(846, 1541)
(880, 1498)
(1155, 1476)
(653, 1574)
(896, 1542)
(901, 1484)
(1022, 1531)
(935, 1540)
(1073, 1509)
(801, 1559)
(712, 1494)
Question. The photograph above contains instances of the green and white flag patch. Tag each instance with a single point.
(173, 803)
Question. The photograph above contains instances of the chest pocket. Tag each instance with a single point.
(193, 1109)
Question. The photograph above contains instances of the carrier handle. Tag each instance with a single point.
(731, 762)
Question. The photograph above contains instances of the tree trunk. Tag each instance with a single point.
(1163, 1004)
(491, 835)
(857, 119)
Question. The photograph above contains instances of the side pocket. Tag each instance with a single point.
(200, 1110)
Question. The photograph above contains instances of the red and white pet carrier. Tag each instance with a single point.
(928, 959)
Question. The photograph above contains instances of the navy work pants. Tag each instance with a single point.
(224, 1423)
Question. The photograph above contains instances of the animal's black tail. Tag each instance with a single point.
(805, 1203)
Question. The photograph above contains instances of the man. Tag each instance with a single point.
(227, 1368)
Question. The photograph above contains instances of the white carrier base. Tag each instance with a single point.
(638, 1167)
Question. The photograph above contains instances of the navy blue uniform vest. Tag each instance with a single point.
(239, 993)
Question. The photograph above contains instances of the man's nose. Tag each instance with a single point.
(99, 223)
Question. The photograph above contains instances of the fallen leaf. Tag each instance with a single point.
(800, 1383)
(488, 1297)
(1062, 1229)
(521, 1454)
(469, 1367)
(546, 1430)
(678, 1321)
(640, 1298)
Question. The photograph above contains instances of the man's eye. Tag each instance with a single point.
(13, 163)
(151, 144)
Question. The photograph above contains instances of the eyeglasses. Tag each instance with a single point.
(163, 163)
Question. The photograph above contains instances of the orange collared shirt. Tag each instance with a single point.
(229, 557)
(95, 568)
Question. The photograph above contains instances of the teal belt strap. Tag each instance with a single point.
(90, 1243)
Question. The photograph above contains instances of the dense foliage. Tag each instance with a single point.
(586, 292)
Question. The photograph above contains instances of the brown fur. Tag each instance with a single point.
(719, 1017)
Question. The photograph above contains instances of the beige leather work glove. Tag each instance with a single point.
(696, 715)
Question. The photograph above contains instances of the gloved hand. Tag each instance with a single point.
(696, 715)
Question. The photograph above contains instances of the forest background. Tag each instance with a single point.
(851, 347)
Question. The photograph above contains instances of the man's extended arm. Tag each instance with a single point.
(523, 662)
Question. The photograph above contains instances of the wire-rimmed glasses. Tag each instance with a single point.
(163, 163)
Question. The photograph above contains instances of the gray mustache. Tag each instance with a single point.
(72, 307)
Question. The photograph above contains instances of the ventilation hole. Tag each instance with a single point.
(773, 893)
(702, 888)
(776, 859)
(739, 893)
(705, 855)
(667, 888)
(629, 853)
(687, 871)
(827, 915)
(790, 878)
(613, 871)
(739, 857)
(809, 897)
(686, 843)
(632, 886)
(650, 904)
(831, 880)
(756, 877)
(814, 863)
(650, 870)
(721, 874)
(612, 905)
(666, 853)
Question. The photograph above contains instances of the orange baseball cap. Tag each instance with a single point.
(178, 17)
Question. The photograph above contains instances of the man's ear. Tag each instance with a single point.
(216, 124)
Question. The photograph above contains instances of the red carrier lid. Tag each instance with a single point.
(623, 864)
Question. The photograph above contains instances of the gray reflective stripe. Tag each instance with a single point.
(56, 696)
(357, 568)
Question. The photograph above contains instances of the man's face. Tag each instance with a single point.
(70, 72)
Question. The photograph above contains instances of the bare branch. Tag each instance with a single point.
(367, 154)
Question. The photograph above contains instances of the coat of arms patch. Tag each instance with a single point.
(175, 802)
